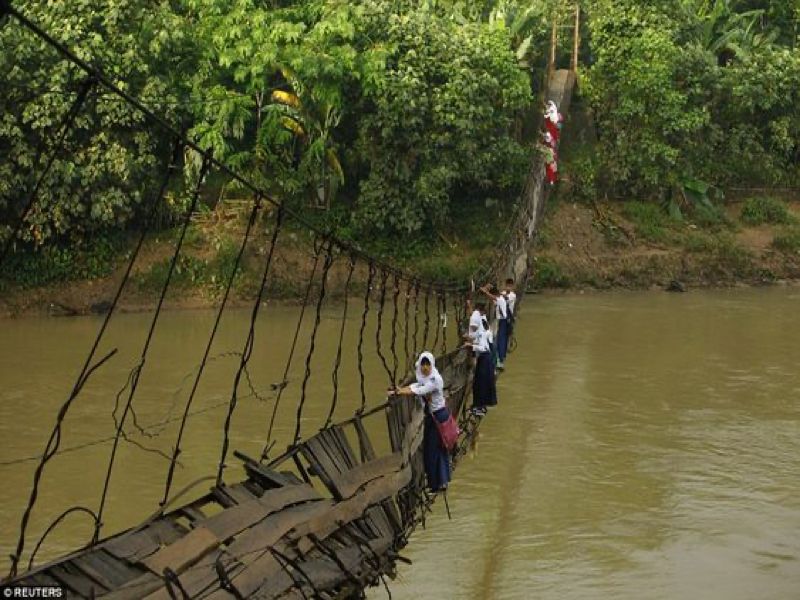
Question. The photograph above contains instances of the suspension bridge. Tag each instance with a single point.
(328, 516)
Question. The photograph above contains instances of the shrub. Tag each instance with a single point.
(711, 217)
(548, 274)
(788, 241)
(758, 211)
(92, 259)
(650, 220)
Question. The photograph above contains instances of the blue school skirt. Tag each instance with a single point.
(484, 392)
(436, 458)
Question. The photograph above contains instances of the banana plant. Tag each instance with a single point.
(310, 121)
(727, 33)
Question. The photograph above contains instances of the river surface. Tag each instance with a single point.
(646, 446)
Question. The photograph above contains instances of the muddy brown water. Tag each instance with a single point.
(646, 446)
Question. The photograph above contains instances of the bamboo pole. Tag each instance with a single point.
(577, 39)
(553, 44)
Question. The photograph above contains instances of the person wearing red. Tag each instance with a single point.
(553, 122)
(550, 159)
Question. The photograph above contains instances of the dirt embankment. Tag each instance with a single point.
(610, 245)
(580, 246)
(199, 278)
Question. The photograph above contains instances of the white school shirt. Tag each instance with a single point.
(433, 384)
(475, 319)
(480, 342)
(500, 308)
(511, 300)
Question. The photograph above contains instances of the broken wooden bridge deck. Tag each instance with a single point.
(326, 519)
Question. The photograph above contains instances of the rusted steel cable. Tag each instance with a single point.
(395, 313)
(379, 328)
(137, 370)
(187, 407)
(338, 361)
(247, 350)
(326, 266)
(360, 349)
(287, 367)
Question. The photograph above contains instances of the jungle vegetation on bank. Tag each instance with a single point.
(396, 118)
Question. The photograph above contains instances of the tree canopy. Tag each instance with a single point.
(388, 112)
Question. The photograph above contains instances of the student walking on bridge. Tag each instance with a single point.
(430, 387)
(501, 322)
(484, 392)
(511, 302)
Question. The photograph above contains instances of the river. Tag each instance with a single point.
(646, 446)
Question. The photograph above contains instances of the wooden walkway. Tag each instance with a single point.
(325, 520)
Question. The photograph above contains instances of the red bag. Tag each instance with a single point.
(448, 432)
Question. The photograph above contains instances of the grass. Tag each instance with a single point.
(765, 210)
(713, 218)
(650, 220)
(93, 259)
(788, 241)
(190, 270)
(548, 274)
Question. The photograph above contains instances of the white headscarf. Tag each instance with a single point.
(476, 320)
(418, 366)
(432, 384)
(552, 112)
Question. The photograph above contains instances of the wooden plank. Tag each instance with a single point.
(350, 482)
(136, 545)
(346, 511)
(367, 451)
(326, 573)
(331, 447)
(184, 552)
(268, 478)
(270, 530)
(196, 579)
(238, 518)
(264, 571)
(106, 569)
(238, 492)
(41, 579)
(324, 467)
(393, 423)
(192, 513)
(137, 589)
(413, 435)
(344, 445)
(75, 580)
(246, 548)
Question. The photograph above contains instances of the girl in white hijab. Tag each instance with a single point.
(553, 122)
(430, 388)
(484, 393)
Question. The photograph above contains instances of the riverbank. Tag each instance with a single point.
(581, 246)
(634, 245)
(85, 281)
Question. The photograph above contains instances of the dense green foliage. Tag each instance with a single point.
(685, 90)
(397, 116)
(385, 112)
(758, 211)
(99, 179)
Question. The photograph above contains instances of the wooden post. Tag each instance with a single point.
(577, 39)
(551, 66)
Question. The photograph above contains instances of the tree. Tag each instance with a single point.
(101, 175)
